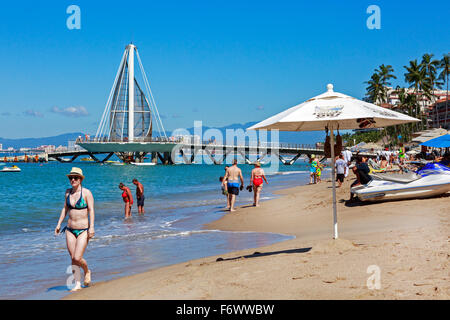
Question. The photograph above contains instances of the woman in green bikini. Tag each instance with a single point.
(79, 204)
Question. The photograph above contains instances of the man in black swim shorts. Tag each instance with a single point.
(232, 178)
(139, 195)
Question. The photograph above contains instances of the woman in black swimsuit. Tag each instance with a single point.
(79, 204)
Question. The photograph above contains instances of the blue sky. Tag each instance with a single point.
(221, 62)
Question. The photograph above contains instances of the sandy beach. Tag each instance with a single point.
(407, 241)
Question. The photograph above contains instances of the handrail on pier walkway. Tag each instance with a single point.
(162, 148)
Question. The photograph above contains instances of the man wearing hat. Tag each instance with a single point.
(256, 180)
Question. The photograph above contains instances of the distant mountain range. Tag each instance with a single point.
(61, 139)
(308, 137)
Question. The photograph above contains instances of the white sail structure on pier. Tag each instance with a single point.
(128, 112)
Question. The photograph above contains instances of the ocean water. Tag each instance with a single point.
(180, 199)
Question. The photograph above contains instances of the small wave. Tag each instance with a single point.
(181, 234)
(148, 235)
(288, 172)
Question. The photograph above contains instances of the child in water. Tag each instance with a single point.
(312, 170)
(319, 171)
(224, 187)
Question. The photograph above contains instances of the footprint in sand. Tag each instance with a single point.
(329, 281)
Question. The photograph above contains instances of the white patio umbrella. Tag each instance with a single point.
(333, 110)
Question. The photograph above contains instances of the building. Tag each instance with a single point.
(47, 149)
(1, 146)
(393, 98)
(439, 113)
(61, 149)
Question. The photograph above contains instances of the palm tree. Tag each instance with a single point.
(375, 91)
(443, 76)
(385, 73)
(403, 103)
(406, 104)
(429, 67)
(417, 78)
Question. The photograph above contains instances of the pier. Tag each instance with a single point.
(166, 151)
(126, 129)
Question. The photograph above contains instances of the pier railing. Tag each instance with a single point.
(184, 141)
(146, 139)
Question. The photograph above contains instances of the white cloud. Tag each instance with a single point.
(33, 113)
(78, 111)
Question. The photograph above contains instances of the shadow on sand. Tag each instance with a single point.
(263, 254)
(58, 288)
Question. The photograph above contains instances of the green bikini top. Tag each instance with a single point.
(81, 204)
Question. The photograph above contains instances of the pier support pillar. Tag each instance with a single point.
(167, 159)
(211, 156)
(294, 159)
(94, 157)
(154, 157)
(139, 156)
(107, 157)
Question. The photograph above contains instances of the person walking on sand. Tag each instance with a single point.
(79, 204)
(257, 181)
(127, 198)
(348, 159)
(232, 177)
(139, 196)
(340, 169)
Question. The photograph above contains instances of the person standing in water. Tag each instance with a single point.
(313, 169)
(223, 184)
(139, 195)
(319, 172)
(257, 181)
(232, 177)
(79, 204)
(127, 198)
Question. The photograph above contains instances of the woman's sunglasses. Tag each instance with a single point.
(74, 178)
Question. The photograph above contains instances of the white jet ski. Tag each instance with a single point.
(10, 169)
(432, 180)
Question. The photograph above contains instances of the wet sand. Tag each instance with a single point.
(406, 241)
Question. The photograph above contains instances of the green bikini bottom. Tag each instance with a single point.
(75, 232)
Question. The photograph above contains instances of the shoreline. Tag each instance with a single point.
(406, 240)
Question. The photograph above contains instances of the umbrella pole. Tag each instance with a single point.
(333, 181)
